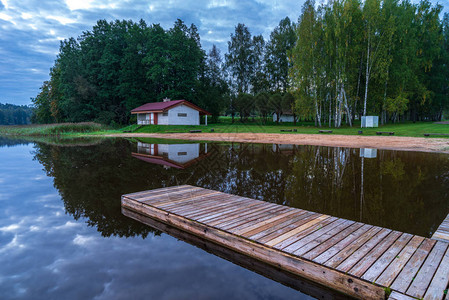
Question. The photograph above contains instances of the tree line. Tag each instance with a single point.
(384, 57)
(11, 114)
(341, 60)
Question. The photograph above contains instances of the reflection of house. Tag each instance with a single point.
(177, 112)
(368, 153)
(286, 116)
(178, 156)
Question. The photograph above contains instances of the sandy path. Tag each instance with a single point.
(352, 141)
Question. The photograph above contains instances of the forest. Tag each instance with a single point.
(339, 61)
(11, 114)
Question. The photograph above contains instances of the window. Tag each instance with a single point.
(165, 114)
(182, 115)
(182, 153)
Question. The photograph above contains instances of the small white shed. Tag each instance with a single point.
(176, 112)
(370, 121)
(286, 116)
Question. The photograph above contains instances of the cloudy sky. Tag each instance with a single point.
(30, 30)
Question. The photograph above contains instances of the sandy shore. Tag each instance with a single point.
(352, 141)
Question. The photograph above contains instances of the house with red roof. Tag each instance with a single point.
(168, 112)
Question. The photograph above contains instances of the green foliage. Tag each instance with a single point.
(11, 114)
(381, 57)
(396, 106)
(241, 58)
(119, 65)
(52, 129)
(244, 104)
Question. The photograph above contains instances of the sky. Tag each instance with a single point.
(31, 30)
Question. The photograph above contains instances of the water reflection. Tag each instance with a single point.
(368, 152)
(179, 156)
(405, 191)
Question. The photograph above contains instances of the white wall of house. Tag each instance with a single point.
(162, 118)
(284, 118)
(180, 153)
(183, 115)
(178, 115)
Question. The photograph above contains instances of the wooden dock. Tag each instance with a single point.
(442, 233)
(358, 259)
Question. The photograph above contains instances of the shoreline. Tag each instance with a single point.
(436, 145)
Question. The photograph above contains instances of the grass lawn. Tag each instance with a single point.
(224, 126)
(57, 129)
(400, 129)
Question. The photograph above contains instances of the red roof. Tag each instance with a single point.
(164, 106)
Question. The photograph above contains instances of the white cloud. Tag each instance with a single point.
(83, 241)
(68, 224)
(77, 4)
(10, 228)
(6, 17)
(26, 16)
(5, 3)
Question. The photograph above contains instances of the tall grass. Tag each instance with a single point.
(52, 129)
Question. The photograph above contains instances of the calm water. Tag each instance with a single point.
(62, 234)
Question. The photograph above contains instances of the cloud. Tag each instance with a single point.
(32, 29)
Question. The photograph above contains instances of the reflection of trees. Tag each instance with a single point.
(407, 191)
(11, 142)
(402, 190)
(91, 180)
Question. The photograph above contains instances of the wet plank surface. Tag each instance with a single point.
(355, 258)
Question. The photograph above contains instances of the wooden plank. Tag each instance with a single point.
(390, 273)
(139, 195)
(439, 283)
(365, 263)
(321, 248)
(304, 242)
(248, 223)
(285, 243)
(285, 278)
(263, 224)
(306, 218)
(222, 207)
(330, 252)
(226, 213)
(442, 232)
(170, 199)
(419, 285)
(444, 237)
(398, 296)
(194, 203)
(166, 192)
(290, 233)
(250, 218)
(333, 279)
(312, 240)
(190, 203)
(351, 247)
(301, 214)
(377, 268)
(408, 272)
(274, 224)
(356, 256)
(248, 213)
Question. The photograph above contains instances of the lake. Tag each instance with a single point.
(62, 233)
